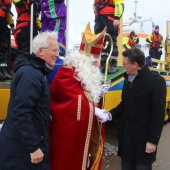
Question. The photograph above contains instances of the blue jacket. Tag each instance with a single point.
(26, 126)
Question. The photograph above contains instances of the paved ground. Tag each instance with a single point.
(112, 162)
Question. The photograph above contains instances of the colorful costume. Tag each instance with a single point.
(5, 20)
(106, 11)
(22, 31)
(54, 19)
(156, 44)
(75, 136)
(130, 41)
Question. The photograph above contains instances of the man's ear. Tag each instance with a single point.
(40, 52)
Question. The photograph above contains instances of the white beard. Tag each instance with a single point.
(88, 74)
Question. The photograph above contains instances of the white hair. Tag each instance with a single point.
(41, 40)
(86, 72)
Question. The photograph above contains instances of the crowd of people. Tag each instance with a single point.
(58, 125)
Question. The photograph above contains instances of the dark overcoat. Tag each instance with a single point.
(26, 126)
(142, 111)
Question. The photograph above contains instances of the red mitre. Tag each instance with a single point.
(91, 44)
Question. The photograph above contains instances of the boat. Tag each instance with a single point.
(136, 23)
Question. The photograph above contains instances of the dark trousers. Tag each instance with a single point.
(4, 41)
(102, 21)
(153, 52)
(133, 165)
(23, 38)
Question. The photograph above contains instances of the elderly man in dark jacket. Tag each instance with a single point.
(24, 135)
(142, 112)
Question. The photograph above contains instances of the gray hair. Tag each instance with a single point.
(41, 40)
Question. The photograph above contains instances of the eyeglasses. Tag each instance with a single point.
(53, 50)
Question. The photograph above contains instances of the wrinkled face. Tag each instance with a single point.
(130, 67)
(50, 53)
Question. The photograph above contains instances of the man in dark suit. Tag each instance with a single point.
(142, 112)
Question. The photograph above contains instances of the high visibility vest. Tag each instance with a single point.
(132, 41)
(23, 10)
(23, 18)
(105, 7)
(156, 40)
(5, 6)
(129, 42)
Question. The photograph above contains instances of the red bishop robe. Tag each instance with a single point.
(75, 132)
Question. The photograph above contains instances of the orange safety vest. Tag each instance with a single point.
(156, 40)
(23, 12)
(23, 18)
(105, 7)
(131, 42)
(5, 6)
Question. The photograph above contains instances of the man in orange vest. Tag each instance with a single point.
(5, 20)
(130, 41)
(108, 13)
(156, 44)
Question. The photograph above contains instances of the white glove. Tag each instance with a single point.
(103, 115)
(104, 88)
(159, 49)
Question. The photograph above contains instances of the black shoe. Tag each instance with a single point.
(4, 75)
(1, 76)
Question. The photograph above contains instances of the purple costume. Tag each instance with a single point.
(54, 19)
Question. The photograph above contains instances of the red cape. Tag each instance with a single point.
(75, 130)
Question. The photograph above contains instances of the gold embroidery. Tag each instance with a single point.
(79, 108)
(88, 96)
(86, 147)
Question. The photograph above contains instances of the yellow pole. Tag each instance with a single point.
(120, 43)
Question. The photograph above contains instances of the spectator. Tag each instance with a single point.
(24, 135)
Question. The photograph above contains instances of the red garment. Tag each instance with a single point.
(156, 40)
(73, 125)
(104, 7)
(5, 6)
(131, 42)
(23, 17)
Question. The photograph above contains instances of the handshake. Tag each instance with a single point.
(103, 115)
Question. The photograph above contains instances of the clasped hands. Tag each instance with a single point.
(103, 115)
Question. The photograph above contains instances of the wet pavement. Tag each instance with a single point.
(112, 162)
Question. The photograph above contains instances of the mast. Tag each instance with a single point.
(138, 19)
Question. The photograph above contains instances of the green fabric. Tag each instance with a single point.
(57, 25)
(52, 8)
